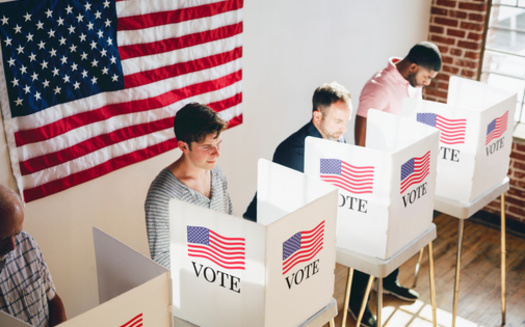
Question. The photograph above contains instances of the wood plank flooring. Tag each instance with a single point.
(479, 291)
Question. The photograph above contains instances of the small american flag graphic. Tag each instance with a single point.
(452, 131)
(414, 171)
(226, 252)
(354, 179)
(497, 127)
(302, 246)
(134, 322)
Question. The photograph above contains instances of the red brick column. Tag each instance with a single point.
(457, 28)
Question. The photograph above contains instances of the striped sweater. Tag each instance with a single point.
(166, 187)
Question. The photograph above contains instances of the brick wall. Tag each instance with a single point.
(458, 29)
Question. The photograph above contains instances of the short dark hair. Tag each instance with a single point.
(425, 54)
(328, 93)
(195, 121)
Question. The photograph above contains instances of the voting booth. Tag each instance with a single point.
(133, 290)
(386, 189)
(476, 128)
(228, 271)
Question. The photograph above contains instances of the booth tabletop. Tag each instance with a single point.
(383, 267)
(321, 318)
(464, 210)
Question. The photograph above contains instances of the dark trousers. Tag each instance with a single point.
(359, 282)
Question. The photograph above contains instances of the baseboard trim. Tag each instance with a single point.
(493, 220)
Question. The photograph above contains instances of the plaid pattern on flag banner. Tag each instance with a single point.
(226, 252)
(354, 179)
(497, 127)
(134, 322)
(414, 171)
(88, 87)
(452, 131)
(302, 246)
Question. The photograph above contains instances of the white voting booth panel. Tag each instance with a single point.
(476, 128)
(133, 290)
(228, 271)
(386, 189)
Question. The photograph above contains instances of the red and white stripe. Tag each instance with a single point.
(452, 131)
(226, 252)
(421, 171)
(167, 64)
(134, 322)
(354, 179)
(311, 244)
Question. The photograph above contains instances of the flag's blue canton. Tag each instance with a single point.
(491, 126)
(330, 166)
(291, 245)
(407, 168)
(427, 118)
(199, 235)
(58, 51)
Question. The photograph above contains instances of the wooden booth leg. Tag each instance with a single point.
(347, 295)
(432, 283)
(458, 268)
(418, 264)
(365, 301)
(379, 300)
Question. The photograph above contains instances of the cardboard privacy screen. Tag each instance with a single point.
(476, 128)
(386, 189)
(8, 320)
(133, 290)
(228, 271)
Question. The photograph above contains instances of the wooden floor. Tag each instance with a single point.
(479, 292)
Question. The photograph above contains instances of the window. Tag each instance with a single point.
(504, 55)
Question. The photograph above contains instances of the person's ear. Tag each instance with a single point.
(317, 115)
(183, 146)
(413, 68)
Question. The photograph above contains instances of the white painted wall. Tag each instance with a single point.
(290, 47)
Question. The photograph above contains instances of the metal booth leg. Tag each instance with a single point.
(347, 295)
(458, 268)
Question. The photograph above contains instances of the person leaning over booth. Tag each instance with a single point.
(386, 90)
(27, 291)
(194, 177)
(331, 111)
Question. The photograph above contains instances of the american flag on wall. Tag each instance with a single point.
(414, 171)
(497, 127)
(134, 322)
(302, 246)
(354, 179)
(88, 87)
(452, 131)
(226, 252)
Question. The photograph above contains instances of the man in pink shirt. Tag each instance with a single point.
(400, 79)
(386, 90)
